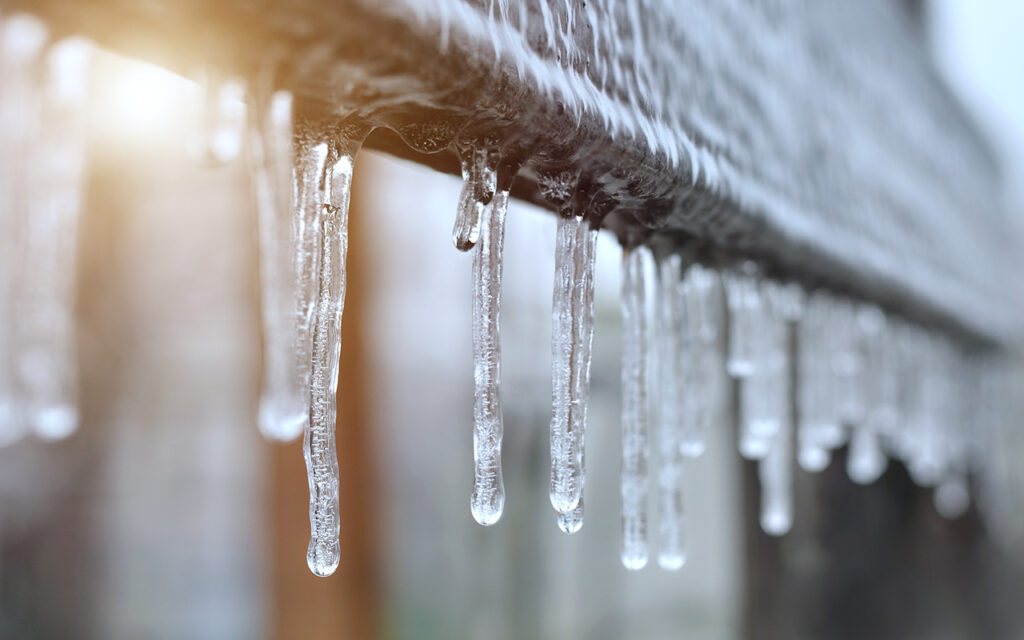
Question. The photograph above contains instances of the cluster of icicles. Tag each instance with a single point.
(814, 371)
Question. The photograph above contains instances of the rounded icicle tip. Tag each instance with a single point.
(814, 459)
(570, 522)
(776, 522)
(671, 561)
(487, 515)
(634, 560)
(323, 559)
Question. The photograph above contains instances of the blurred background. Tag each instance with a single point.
(167, 516)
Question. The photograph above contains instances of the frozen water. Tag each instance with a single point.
(572, 338)
(284, 396)
(488, 499)
(635, 406)
(324, 550)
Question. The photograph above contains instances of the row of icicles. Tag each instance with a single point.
(877, 383)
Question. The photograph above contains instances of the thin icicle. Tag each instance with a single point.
(488, 499)
(47, 359)
(775, 470)
(479, 175)
(865, 460)
(761, 408)
(744, 302)
(324, 551)
(673, 355)
(818, 430)
(702, 378)
(310, 189)
(22, 39)
(572, 339)
(223, 119)
(635, 408)
(284, 397)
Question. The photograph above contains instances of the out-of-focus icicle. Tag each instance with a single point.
(818, 430)
(775, 470)
(572, 339)
(488, 499)
(22, 39)
(479, 176)
(865, 460)
(761, 390)
(324, 551)
(744, 301)
(284, 397)
(672, 347)
(47, 362)
(223, 119)
(635, 407)
(701, 387)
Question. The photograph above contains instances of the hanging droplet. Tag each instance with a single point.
(572, 521)
(324, 550)
(479, 181)
(572, 339)
(284, 396)
(488, 499)
(952, 498)
(635, 407)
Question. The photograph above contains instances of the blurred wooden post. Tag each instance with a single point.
(345, 605)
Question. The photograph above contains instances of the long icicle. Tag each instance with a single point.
(22, 39)
(701, 391)
(584, 257)
(284, 399)
(324, 551)
(635, 408)
(488, 499)
(48, 362)
(674, 355)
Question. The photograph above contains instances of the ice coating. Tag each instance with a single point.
(284, 394)
(488, 499)
(635, 406)
(572, 334)
(324, 551)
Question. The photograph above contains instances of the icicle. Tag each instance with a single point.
(22, 39)
(672, 353)
(319, 442)
(761, 389)
(744, 302)
(284, 397)
(847, 363)
(865, 460)
(47, 362)
(951, 498)
(701, 389)
(818, 430)
(572, 338)
(635, 408)
(775, 470)
(223, 119)
(479, 175)
(488, 498)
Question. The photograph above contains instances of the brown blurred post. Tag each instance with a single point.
(346, 604)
